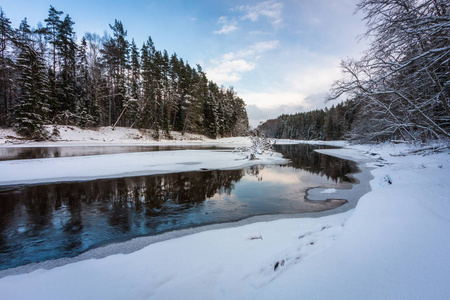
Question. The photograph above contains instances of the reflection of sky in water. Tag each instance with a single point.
(42, 222)
(274, 189)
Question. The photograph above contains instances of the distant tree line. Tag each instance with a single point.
(400, 89)
(321, 124)
(46, 77)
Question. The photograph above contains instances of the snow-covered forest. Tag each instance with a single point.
(399, 89)
(321, 124)
(48, 77)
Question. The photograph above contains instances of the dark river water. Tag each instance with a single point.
(48, 221)
(11, 153)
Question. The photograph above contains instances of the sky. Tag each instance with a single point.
(280, 56)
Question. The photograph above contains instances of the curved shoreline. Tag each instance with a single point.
(352, 195)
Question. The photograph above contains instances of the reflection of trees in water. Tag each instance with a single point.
(61, 205)
(29, 153)
(304, 157)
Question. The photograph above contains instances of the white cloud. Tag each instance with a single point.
(257, 48)
(270, 9)
(227, 26)
(230, 68)
(304, 88)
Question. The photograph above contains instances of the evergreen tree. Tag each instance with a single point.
(66, 79)
(97, 81)
(115, 55)
(105, 81)
(23, 34)
(87, 108)
(6, 64)
(32, 110)
(148, 84)
(53, 24)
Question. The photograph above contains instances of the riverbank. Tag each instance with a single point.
(103, 136)
(393, 245)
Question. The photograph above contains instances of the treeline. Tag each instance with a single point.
(322, 124)
(47, 77)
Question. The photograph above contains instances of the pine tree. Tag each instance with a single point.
(133, 104)
(32, 110)
(87, 108)
(66, 79)
(105, 81)
(6, 64)
(97, 81)
(148, 84)
(23, 33)
(116, 55)
(53, 24)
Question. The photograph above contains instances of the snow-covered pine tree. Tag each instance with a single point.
(96, 78)
(6, 63)
(66, 77)
(32, 109)
(86, 109)
(53, 23)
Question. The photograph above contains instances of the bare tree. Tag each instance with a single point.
(403, 81)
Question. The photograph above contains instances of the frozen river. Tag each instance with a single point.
(46, 221)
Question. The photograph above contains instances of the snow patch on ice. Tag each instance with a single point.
(328, 191)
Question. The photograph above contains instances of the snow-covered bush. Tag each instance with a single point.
(259, 144)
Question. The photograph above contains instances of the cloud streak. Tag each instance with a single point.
(227, 26)
(269, 9)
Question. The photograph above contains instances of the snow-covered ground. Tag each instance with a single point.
(75, 136)
(393, 245)
(121, 165)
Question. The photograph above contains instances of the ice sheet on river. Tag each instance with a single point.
(121, 165)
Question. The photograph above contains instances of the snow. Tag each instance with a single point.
(328, 191)
(75, 136)
(119, 165)
(393, 245)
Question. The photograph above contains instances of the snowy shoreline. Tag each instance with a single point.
(82, 168)
(352, 193)
(392, 245)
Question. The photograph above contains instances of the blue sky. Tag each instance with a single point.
(280, 56)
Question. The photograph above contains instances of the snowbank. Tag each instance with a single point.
(119, 165)
(393, 245)
(75, 136)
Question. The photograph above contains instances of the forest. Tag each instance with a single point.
(48, 77)
(398, 90)
(320, 124)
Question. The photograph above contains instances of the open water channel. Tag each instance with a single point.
(48, 221)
